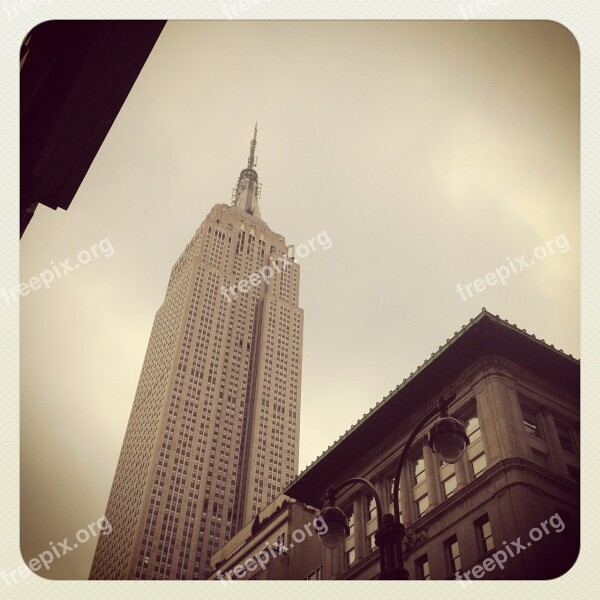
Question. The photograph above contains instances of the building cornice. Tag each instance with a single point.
(485, 347)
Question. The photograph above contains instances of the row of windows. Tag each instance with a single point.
(485, 544)
(420, 492)
(477, 463)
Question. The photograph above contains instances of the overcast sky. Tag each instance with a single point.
(430, 152)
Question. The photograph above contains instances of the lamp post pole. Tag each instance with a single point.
(441, 408)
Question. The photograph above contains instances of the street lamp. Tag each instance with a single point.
(448, 439)
(337, 526)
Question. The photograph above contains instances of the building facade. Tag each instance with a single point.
(282, 542)
(509, 509)
(74, 78)
(213, 432)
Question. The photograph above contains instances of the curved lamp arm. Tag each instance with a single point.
(441, 407)
(333, 490)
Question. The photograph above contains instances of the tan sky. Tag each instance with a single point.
(430, 152)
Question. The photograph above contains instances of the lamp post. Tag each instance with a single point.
(448, 439)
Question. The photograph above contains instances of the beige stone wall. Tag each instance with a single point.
(516, 489)
(284, 520)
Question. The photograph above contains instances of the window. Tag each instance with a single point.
(472, 427)
(452, 554)
(566, 440)
(351, 524)
(372, 510)
(449, 485)
(539, 457)
(484, 533)
(531, 424)
(422, 567)
(422, 504)
(280, 544)
(314, 576)
(419, 468)
(372, 544)
(478, 464)
(350, 556)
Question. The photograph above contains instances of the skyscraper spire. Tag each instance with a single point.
(252, 158)
(247, 189)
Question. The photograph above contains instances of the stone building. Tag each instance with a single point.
(281, 542)
(514, 493)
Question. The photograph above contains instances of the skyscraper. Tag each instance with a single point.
(213, 432)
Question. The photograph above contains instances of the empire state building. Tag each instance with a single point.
(213, 431)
